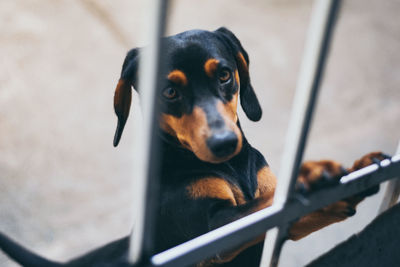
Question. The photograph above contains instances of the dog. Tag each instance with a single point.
(209, 175)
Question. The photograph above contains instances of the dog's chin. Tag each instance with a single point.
(211, 158)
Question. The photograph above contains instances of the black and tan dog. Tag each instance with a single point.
(210, 175)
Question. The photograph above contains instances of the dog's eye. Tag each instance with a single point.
(224, 76)
(170, 93)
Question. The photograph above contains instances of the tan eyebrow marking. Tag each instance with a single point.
(211, 66)
(178, 77)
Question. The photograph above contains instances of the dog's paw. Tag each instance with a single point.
(317, 174)
(339, 210)
(318, 219)
(370, 158)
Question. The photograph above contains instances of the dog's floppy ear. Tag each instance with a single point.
(123, 92)
(248, 98)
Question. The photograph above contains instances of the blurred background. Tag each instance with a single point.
(64, 189)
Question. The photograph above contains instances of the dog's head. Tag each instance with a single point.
(203, 75)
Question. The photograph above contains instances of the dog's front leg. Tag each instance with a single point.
(225, 214)
(226, 204)
(315, 174)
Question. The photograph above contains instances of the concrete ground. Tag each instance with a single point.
(64, 189)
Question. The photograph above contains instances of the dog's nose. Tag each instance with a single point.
(223, 143)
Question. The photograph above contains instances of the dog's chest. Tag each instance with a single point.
(265, 187)
(228, 189)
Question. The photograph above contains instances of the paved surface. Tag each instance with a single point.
(64, 189)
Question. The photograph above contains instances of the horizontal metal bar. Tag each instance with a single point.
(249, 227)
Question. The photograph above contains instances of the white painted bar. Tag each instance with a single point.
(147, 80)
(308, 70)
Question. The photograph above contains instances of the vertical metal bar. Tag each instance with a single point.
(146, 161)
(311, 71)
(392, 191)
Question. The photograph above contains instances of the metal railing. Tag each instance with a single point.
(285, 208)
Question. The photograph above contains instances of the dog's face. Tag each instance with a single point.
(202, 76)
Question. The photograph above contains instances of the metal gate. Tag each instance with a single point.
(286, 207)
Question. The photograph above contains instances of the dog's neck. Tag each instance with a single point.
(179, 163)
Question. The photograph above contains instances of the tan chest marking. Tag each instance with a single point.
(266, 183)
(215, 187)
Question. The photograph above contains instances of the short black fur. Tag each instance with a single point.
(182, 218)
